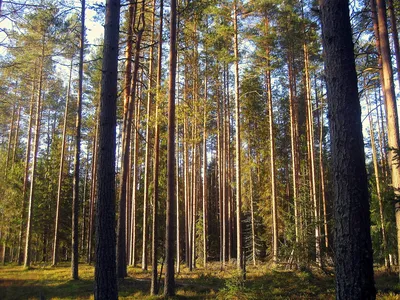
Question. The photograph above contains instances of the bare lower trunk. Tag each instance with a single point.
(169, 285)
(193, 200)
(154, 246)
(272, 153)
(239, 242)
(353, 247)
(60, 172)
(224, 164)
(381, 137)
(93, 191)
(219, 175)
(147, 154)
(78, 125)
(27, 259)
(105, 270)
(205, 212)
(293, 142)
(84, 207)
(310, 144)
(187, 194)
(134, 185)
(129, 102)
(322, 174)
(26, 171)
(253, 227)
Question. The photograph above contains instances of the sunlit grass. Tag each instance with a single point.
(261, 282)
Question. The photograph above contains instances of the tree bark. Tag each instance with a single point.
(205, 212)
(193, 207)
(36, 142)
(129, 98)
(187, 192)
(154, 240)
(272, 152)
(26, 171)
(134, 182)
(82, 246)
(310, 144)
(219, 174)
(105, 270)
(239, 242)
(169, 285)
(253, 227)
(60, 172)
(147, 151)
(93, 189)
(78, 125)
(178, 227)
(154, 282)
(353, 249)
(322, 174)
(224, 166)
(294, 150)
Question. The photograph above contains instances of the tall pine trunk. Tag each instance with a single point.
(391, 108)
(26, 169)
(93, 189)
(377, 179)
(105, 270)
(353, 249)
(154, 246)
(36, 141)
(293, 144)
(272, 152)
(75, 183)
(154, 256)
(60, 172)
(147, 151)
(126, 131)
(239, 242)
(169, 285)
(205, 191)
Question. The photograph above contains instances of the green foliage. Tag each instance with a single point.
(10, 205)
(388, 201)
(235, 287)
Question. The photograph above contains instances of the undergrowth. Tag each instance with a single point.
(46, 282)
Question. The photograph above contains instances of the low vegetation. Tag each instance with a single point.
(45, 282)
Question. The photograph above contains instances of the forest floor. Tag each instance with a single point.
(45, 282)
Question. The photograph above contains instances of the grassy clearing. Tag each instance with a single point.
(261, 283)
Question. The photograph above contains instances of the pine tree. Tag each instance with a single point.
(105, 270)
(353, 250)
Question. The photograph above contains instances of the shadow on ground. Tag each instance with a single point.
(54, 283)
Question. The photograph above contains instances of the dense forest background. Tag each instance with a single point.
(253, 156)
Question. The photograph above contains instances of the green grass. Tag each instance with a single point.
(261, 283)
